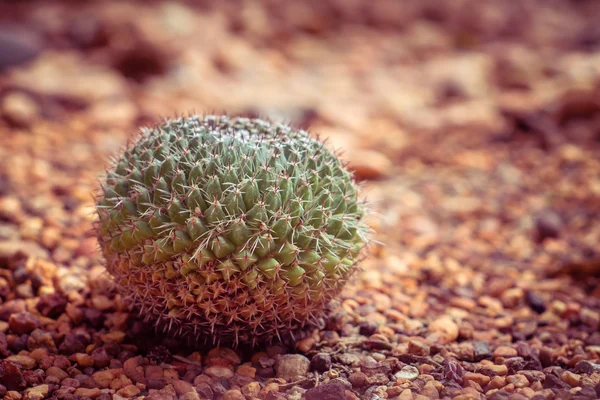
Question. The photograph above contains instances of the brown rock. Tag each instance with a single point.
(120, 381)
(445, 328)
(481, 350)
(5, 290)
(153, 372)
(182, 387)
(49, 73)
(546, 356)
(113, 337)
(505, 352)
(158, 384)
(246, 370)
(39, 355)
(39, 339)
(306, 344)
(570, 378)
(500, 369)
(50, 237)
(200, 379)
(85, 392)
(170, 374)
(219, 372)
(430, 391)
(548, 225)
(327, 391)
(101, 357)
(590, 317)
(84, 360)
(103, 378)
(418, 348)
(292, 367)
(25, 362)
(31, 228)
(101, 302)
(223, 352)
(405, 395)
(11, 307)
(167, 393)
(129, 391)
(23, 322)
(358, 380)
(251, 389)
(586, 367)
(497, 382)
(476, 377)
(10, 210)
(24, 291)
(113, 113)
(36, 392)
(321, 362)
(87, 248)
(74, 313)
(73, 343)
(70, 382)
(133, 370)
(369, 164)
(13, 395)
(233, 394)
(190, 396)
(11, 248)
(62, 362)
(269, 387)
(3, 345)
(57, 373)
(69, 283)
(518, 380)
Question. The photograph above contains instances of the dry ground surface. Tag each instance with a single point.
(474, 126)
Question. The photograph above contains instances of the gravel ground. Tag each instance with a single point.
(474, 126)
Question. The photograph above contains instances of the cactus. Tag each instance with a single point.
(230, 229)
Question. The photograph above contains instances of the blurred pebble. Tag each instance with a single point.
(291, 367)
(18, 46)
(19, 109)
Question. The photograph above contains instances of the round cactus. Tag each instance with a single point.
(230, 229)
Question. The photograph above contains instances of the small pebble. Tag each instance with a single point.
(92, 393)
(418, 348)
(84, 360)
(548, 225)
(129, 391)
(505, 352)
(23, 322)
(233, 394)
(570, 378)
(358, 379)
(321, 362)
(407, 372)
(24, 361)
(292, 367)
(329, 391)
(536, 302)
(219, 372)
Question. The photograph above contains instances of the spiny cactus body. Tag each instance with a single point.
(230, 229)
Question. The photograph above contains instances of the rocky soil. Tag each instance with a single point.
(474, 126)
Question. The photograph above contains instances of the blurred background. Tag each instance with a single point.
(473, 125)
(375, 69)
